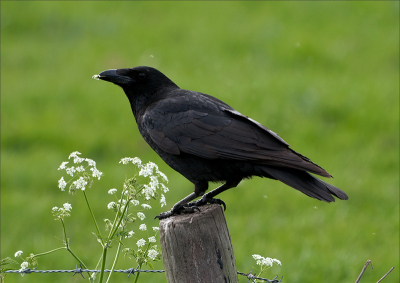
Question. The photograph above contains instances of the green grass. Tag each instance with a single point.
(323, 75)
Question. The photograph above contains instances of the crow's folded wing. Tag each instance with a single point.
(213, 131)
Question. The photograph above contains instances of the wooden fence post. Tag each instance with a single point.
(197, 247)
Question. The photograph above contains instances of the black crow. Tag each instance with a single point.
(206, 140)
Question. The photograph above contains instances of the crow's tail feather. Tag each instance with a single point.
(305, 183)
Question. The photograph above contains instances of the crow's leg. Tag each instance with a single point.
(199, 189)
(209, 197)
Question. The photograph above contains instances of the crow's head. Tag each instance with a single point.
(137, 80)
(142, 85)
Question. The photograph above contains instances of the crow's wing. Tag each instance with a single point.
(211, 130)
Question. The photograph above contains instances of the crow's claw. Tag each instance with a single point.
(205, 200)
(164, 215)
(177, 210)
(218, 201)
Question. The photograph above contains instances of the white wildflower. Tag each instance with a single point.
(18, 253)
(125, 160)
(67, 206)
(96, 77)
(164, 188)
(91, 162)
(130, 234)
(135, 161)
(142, 227)
(111, 205)
(277, 261)
(54, 209)
(74, 154)
(112, 191)
(141, 243)
(62, 184)
(147, 170)
(152, 239)
(146, 206)
(80, 183)
(152, 254)
(162, 200)
(70, 171)
(154, 182)
(80, 168)
(77, 159)
(148, 191)
(162, 175)
(96, 173)
(62, 166)
(141, 215)
(262, 261)
(135, 202)
(152, 165)
(24, 266)
(156, 228)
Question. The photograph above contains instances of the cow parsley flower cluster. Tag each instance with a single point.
(146, 249)
(80, 178)
(157, 179)
(130, 205)
(265, 261)
(26, 262)
(60, 212)
(153, 254)
(24, 266)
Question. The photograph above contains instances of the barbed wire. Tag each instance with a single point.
(253, 277)
(130, 272)
(80, 270)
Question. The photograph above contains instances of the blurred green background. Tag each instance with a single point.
(323, 75)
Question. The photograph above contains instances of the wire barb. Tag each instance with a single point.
(79, 270)
(132, 271)
(252, 277)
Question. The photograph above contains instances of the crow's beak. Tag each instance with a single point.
(113, 77)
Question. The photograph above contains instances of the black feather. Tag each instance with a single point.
(206, 140)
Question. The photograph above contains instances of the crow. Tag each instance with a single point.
(206, 140)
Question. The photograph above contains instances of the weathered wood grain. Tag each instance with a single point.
(197, 247)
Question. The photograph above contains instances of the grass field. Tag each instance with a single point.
(323, 75)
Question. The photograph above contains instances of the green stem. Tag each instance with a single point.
(49, 252)
(94, 219)
(115, 228)
(77, 258)
(137, 274)
(113, 225)
(115, 259)
(98, 263)
(66, 241)
(103, 263)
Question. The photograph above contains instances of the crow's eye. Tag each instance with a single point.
(142, 76)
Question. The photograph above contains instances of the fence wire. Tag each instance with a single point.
(129, 271)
